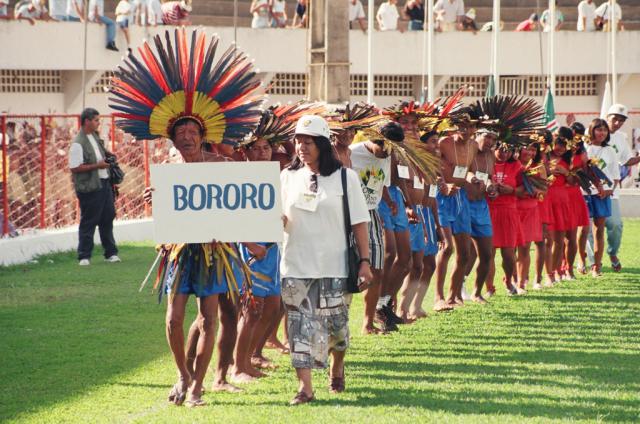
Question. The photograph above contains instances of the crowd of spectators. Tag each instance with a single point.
(449, 15)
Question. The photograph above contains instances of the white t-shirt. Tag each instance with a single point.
(71, 11)
(388, 16)
(76, 157)
(604, 10)
(356, 10)
(278, 6)
(451, 9)
(57, 7)
(620, 144)
(607, 162)
(374, 173)
(123, 11)
(315, 242)
(545, 19)
(92, 8)
(587, 11)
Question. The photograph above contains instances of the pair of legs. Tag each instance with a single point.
(255, 325)
(483, 251)
(599, 225)
(336, 369)
(191, 376)
(508, 266)
(270, 337)
(460, 242)
(557, 252)
(371, 296)
(227, 314)
(523, 264)
(411, 286)
(397, 261)
(571, 250)
(583, 237)
(614, 233)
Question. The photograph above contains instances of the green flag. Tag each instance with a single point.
(491, 87)
(549, 112)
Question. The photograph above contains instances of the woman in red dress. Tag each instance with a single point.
(530, 158)
(507, 232)
(559, 165)
(579, 212)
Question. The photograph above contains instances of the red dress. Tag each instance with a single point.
(559, 202)
(579, 213)
(530, 219)
(505, 219)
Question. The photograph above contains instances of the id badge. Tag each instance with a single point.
(460, 172)
(403, 172)
(307, 201)
(433, 190)
(482, 176)
(417, 183)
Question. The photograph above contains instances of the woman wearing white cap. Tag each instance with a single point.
(314, 259)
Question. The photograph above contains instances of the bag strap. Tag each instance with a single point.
(345, 205)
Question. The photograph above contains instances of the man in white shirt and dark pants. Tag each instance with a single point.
(90, 174)
(616, 118)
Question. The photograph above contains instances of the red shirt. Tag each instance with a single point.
(525, 26)
(560, 180)
(508, 173)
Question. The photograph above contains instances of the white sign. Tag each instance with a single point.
(225, 201)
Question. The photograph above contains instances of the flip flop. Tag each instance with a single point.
(617, 266)
(194, 403)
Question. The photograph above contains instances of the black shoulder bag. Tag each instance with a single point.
(352, 252)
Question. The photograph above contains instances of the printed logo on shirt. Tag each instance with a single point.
(372, 181)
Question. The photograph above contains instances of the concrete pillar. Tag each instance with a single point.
(328, 50)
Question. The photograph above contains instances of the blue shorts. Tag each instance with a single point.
(416, 232)
(598, 208)
(453, 212)
(431, 243)
(398, 222)
(480, 219)
(123, 24)
(195, 278)
(268, 266)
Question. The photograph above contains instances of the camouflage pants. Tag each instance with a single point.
(318, 319)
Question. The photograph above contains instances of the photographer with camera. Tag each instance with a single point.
(92, 181)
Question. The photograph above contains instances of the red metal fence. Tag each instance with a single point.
(35, 183)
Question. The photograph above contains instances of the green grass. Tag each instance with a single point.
(82, 345)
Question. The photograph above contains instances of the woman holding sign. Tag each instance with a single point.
(314, 259)
(179, 93)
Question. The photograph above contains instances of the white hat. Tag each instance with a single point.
(618, 109)
(313, 125)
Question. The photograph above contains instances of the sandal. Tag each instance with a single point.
(301, 398)
(194, 403)
(616, 265)
(596, 270)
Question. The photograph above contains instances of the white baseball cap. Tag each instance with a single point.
(313, 125)
(618, 109)
(185, 6)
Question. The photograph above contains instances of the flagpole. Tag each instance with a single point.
(369, 53)
(495, 36)
(552, 46)
(84, 53)
(425, 53)
(614, 30)
(430, 79)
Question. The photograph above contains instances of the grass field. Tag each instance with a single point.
(82, 345)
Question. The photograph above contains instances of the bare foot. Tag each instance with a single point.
(263, 363)
(276, 344)
(371, 329)
(178, 392)
(420, 313)
(242, 377)
(442, 306)
(194, 399)
(479, 299)
(225, 387)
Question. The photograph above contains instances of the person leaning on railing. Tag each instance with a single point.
(90, 174)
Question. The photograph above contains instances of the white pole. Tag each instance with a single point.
(552, 46)
(431, 95)
(423, 48)
(84, 55)
(495, 36)
(614, 30)
(369, 52)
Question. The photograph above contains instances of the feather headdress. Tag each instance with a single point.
(180, 81)
(277, 124)
(514, 118)
(359, 116)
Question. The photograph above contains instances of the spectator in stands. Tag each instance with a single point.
(387, 16)
(356, 12)
(414, 12)
(469, 21)
(58, 9)
(4, 9)
(260, 9)
(31, 11)
(90, 174)
(154, 12)
(176, 12)
(139, 13)
(449, 14)
(603, 16)
(75, 10)
(96, 14)
(123, 16)
(300, 17)
(488, 26)
(279, 14)
(530, 24)
(586, 16)
(545, 19)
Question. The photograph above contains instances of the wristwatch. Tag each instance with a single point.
(367, 260)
